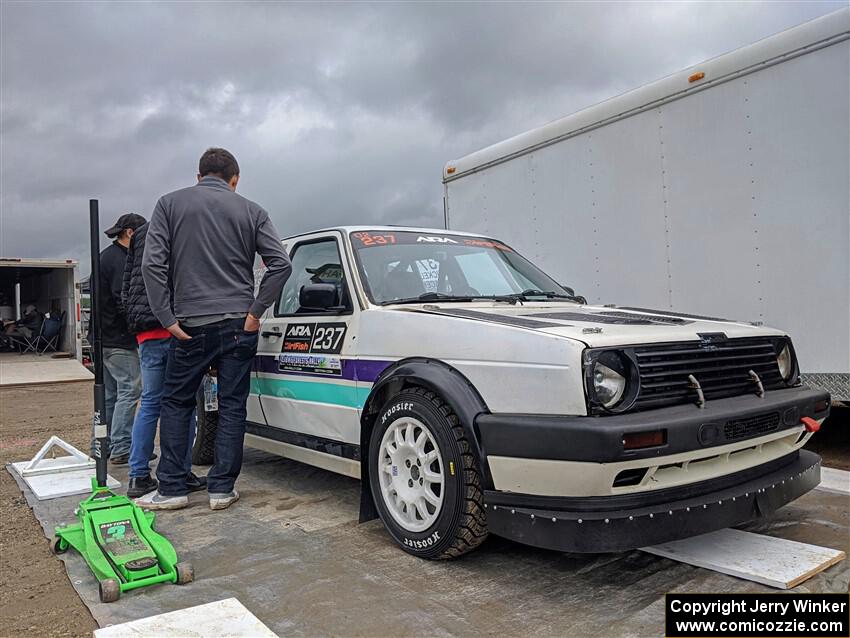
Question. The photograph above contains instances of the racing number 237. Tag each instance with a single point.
(328, 338)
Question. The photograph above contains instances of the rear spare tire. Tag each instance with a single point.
(425, 481)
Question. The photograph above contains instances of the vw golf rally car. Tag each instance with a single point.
(472, 393)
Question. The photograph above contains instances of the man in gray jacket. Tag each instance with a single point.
(198, 268)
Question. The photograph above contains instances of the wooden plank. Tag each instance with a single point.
(226, 617)
(832, 480)
(776, 562)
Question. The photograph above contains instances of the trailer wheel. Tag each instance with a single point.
(203, 451)
(109, 590)
(425, 481)
(185, 573)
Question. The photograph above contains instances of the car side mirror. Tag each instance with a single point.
(318, 297)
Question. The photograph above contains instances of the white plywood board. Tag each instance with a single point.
(16, 370)
(832, 480)
(776, 562)
(226, 618)
(62, 482)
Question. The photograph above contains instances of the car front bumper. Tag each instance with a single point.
(629, 521)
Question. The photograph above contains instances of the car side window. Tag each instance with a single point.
(313, 262)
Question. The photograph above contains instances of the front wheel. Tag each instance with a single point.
(425, 481)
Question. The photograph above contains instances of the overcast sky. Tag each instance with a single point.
(337, 113)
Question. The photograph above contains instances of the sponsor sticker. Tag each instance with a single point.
(120, 538)
(312, 363)
(303, 338)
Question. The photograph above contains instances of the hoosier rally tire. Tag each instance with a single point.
(203, 451)
(456, 524)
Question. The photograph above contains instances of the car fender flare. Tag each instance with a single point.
(437, 376)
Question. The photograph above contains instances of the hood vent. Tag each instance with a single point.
(612, 317)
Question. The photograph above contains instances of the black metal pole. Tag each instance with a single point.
(101, 432)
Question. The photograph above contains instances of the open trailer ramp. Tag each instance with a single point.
(22, 370)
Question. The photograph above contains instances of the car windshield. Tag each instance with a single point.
(409, 266)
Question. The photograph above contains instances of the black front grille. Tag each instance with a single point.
(722, 369)
(752, 426)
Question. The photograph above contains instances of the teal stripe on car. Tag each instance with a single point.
(347, 396)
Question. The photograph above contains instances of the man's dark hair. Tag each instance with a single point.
(218, 162)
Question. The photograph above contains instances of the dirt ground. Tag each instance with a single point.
(37, 597)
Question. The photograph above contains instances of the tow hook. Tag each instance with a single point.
(810, 423)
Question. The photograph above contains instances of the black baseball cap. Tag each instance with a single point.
(127, 220)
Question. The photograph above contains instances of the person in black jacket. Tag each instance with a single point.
(120, 356)
(153, 342)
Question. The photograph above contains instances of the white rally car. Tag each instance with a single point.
(472, 393)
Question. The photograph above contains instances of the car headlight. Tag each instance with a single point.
(785, 361)
(609, 379)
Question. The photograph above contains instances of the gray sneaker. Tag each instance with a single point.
(223, 501)
(156, 501)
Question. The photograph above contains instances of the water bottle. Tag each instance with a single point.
(210, 393)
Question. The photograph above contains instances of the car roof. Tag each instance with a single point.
(388, 229)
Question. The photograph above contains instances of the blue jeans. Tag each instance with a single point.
(121, 380)
(153, 355)
(232, 350)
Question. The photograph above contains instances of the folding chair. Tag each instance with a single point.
(51, 330)
(27, 344)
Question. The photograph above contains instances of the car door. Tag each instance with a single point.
(304, 377)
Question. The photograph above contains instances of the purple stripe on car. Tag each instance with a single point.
(368, 369)
(352, 369)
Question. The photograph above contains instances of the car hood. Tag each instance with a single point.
(596, 326)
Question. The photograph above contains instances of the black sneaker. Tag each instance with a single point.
(196, 483)
(139, 486)
(121, 459)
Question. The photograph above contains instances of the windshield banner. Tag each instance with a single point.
(372, 239)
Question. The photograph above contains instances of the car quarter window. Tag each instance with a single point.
(313, 262)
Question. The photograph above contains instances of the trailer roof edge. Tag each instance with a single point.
(799, 40)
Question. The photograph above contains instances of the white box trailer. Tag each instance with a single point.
(52, 285)
(723, 189)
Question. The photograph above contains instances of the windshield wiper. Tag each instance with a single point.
(531, 292)
(441, 296)
(428, 296)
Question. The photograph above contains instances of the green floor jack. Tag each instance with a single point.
(115, 536)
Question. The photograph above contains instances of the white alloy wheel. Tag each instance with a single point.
(411, 469)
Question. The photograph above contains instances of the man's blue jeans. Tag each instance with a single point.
(121, 388)
(153, 355)
(232, 350)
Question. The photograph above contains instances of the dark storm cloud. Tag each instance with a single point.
(338, 113)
